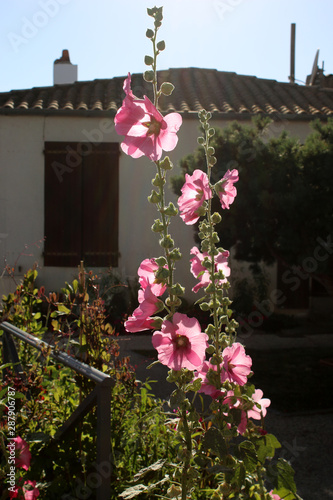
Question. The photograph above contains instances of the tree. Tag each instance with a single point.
(284, 207)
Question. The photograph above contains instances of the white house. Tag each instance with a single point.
(69, 194)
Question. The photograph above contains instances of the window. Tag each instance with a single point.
(81, 204)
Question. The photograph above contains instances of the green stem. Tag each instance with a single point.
(212, 270)
(188, 440)
(165, 234)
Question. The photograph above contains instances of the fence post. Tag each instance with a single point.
(104, 438)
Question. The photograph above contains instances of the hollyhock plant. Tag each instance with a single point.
(225, 188)
(236, 364)
(261, 411)
(200, 272)
(23, 455)
(181, 343)
(146, 131)
(194, 192)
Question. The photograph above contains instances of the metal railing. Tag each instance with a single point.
(100, 396)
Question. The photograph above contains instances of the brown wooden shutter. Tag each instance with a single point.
(100, 206)
(62, 206)
(81, 204)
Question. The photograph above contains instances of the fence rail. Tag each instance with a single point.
(100, 396)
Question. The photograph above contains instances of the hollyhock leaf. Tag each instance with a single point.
(249, 455)
(215, 442)
(285, 477)
(177, 398)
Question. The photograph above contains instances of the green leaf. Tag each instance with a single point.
(249, 455)
(214, 441)
(63, 309)
(176, 398)
(285, 475)
(149, 33)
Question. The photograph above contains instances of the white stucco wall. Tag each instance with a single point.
(22, 194)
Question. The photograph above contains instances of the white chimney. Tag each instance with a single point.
(63, 70)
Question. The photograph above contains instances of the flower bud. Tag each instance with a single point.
(162, 274)
(177, 289)
(204, 306)
(210, 330)
(161, 46)
(166, 241)
(148, 76)
(216, 218)
(154, 197)
(201, 141)
(157, 227)
(212, 161)
(157, 322)
(158, 181)
(149, 61)
(171, 210)
(174, 491)
(175, 254)
(149, 33)
(166, 163)
(167, 88)
(161, 261)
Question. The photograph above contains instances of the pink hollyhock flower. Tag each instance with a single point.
(30, 490)
(236, 364)
(263, 403)
(206, 386)
(274, 496)
(14, 493)
(23, 455)
(200, 272)
(194, 192)
(141, 320)
(146, 273)
(146, 131)
(181, 343)
(226, 189)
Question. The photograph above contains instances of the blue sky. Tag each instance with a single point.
(106, 38)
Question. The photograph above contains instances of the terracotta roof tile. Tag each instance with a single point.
(195, 88)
